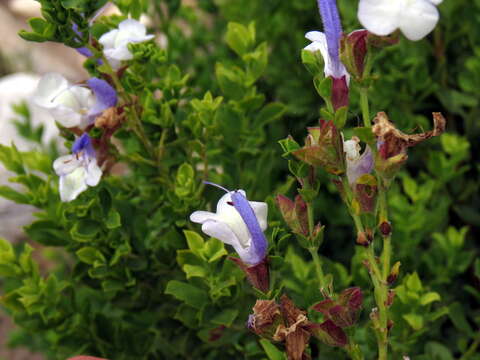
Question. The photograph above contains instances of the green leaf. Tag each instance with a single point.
(15, 196)
(457, 315)
(85, 230)
(271, 350)
(270, 113)
(195, 242)
(414, 283)
(239, 38)
(194, 271)
(90, 255)
(437, 351)
(25, 260)
(323, 86)
(7, 253)
(226, 317)
(187, 293)
(414, 320)
(185, 181)
(429, 297)
(365, 134)
(113, 220)
(11, 159)
(48, 233)
(214, 250)
(231, 81)
(341, 117)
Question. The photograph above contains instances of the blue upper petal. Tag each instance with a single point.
(333, 31)
(258, 248)
(105, 94)
(83, 143)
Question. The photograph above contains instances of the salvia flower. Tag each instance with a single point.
(78, 170)
(239, 223)
(74, 105)
(328, 43)
(357, 164)
(414, 18)
(115, 42)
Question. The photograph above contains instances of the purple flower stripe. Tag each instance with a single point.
(105, 94)
(259, 242)
(84, 51)
(333, 31)
(83, 143)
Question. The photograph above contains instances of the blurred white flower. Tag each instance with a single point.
(115, 42)
(415, 18)
(68, 104)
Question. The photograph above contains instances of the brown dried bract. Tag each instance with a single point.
(266, 312)
(394, 141)
(294, 333)
(109, 119)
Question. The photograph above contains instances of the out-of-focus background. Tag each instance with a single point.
(22, 64)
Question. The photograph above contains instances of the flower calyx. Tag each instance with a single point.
(323, 148)
(344, 310)
(266, 319)
(355, 47)
(294, 213)
(392, 143)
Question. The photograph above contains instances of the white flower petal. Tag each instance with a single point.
(380, 17)
(131, 30)
(222, 232)
(314, 46)
(418, 19)
(66, 116)
(108, 39)
(261, 212)
(49, 86)
(84, 96)
(200, 217)
(315, 36)
(119, 53)
(94, 173)
(436, 2)
(320, 44)
(73, 184)
(352, 149)
(227, 213)
(66, 164)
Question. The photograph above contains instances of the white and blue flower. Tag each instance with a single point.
(239, 223)
(357, 164)
(78, 170)
(74, 105)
